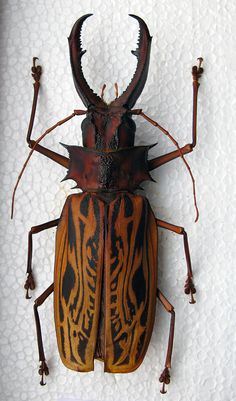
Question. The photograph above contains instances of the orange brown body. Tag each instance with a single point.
(105, 277)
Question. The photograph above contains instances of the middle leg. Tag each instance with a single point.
(30, 283)
(189, 285)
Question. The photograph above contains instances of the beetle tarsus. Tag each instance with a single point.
(189, 288)
(192, 301)
(197, 70)
(36, 70)
(29, 285)
(43, 370)
(164, 379)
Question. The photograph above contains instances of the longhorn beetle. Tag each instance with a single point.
(105, 280)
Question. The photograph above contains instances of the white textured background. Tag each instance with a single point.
(204, 349)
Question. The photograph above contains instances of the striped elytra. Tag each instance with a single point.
(105, 281)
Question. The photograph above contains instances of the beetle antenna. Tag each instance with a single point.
(116, 90)
(103, 90)
(76, 112)
(139, 112)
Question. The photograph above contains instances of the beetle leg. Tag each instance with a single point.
(160, 160)
(43, 368)
(30, 283)
(197, 71)
(189, 285)
(165, 375)
(36, 74)
(165, 132)
(56, 157)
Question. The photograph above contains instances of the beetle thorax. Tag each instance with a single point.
(109, 128)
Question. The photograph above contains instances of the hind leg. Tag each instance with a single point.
(43, 368)
(165, 376)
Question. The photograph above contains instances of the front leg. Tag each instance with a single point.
(56, 157)
(36, 74)
(160, 160)
(34, 145)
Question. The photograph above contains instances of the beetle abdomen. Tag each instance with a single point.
(105, 281)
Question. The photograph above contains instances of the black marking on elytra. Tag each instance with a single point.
(61, 312)
(72, 358)
(139, 239)
(89, 314)
(132, 309)
(129, 235)
(113, 299)
(114, 284)
(118, 350)
(114, 238)
(129, 232)
(116, 324)
(92, 288)
(93, 241)
(132, 338)
(62, 336)
(129, 209)
(140, 345)
(88, 272)
(97, 216)
(84, 205)
(80, 275)
(82, 345)
(113, 313)
(68, 282)
(75, 301)
(81, 228)
(87, 324)
(92, 302)
(143, 318)
(124, 362)
(139, 285)
(71, 230)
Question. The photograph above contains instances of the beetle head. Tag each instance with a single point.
(109, 126)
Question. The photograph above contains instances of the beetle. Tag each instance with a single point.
(105, 277)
